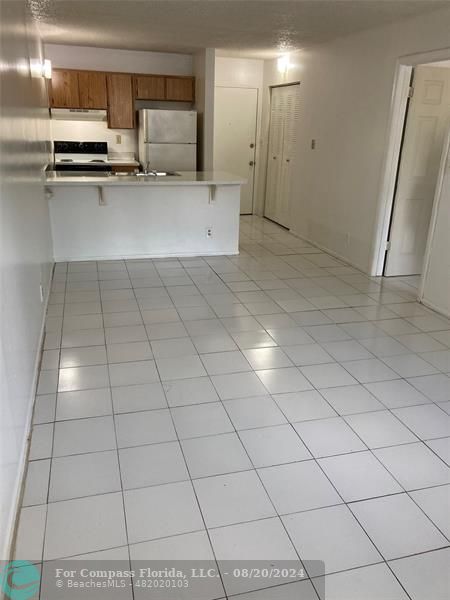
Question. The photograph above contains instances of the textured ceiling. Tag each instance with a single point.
(254, 28)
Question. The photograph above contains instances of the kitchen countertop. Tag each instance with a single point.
(86, 178)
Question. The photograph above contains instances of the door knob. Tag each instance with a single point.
(288, 160)
(251, 163)
(252, 145)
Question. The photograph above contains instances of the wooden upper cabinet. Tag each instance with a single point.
(120, 101)
(92, 86)
(70, 88)
(64, 92)
(181, 89)
(150, 87)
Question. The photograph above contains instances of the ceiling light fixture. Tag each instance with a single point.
(47, 69)
(41, 68)
(283, 64)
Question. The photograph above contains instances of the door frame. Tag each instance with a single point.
(434, 215)
(391, 163)
(271, 88)
(257, 135)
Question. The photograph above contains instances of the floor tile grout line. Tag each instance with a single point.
(409, 492)
(419, 440)
(356, 340)
(118, 462)
(267, 494)
(340, 504)
(265, 490)
(371, 450)
(192, 487)
(202, 477)
(44, 540)
(380, 357)
(255, 371)
(345, 504)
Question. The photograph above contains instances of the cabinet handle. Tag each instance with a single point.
(251, 163)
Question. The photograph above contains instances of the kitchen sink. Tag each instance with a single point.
(153, 174)
(158, 174)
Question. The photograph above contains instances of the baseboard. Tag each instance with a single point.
(234, 252)
(328, 251)
(8, 548)
(434, 308)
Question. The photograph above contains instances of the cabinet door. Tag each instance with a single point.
(149, 87)
(64, 89)
(120, 101)
(181, 89)
(92, 86)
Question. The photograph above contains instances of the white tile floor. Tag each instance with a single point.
(277, 404)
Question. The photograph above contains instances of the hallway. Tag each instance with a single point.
(273, 406)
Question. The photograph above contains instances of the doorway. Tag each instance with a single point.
(235, 120)
(284, 115)
(426, 121)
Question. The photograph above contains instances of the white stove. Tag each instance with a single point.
(81, 156)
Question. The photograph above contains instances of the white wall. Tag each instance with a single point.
(126, 61)
(239, 72)
(95, 131)
(436, 276)
(204, 71)
(25, 253)
(346, 89)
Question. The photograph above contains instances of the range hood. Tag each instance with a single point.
(78, 114)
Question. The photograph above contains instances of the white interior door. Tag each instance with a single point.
(235, 115)
(284, 116)
(426, 125)
(435, 289)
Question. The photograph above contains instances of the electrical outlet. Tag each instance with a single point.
(41, 292)
(347, 239)
(209, 232)
(118, 139)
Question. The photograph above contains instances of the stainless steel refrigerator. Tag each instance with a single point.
(168, 139)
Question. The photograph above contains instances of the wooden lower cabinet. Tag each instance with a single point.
(120, 101)
(124, 168)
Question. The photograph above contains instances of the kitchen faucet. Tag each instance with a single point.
(148, 171)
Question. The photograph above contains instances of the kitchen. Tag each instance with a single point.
(130, 176)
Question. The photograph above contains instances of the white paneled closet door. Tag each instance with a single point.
(284, 116)
(274, 153)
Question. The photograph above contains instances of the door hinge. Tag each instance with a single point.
(388, 246)
(411, 91)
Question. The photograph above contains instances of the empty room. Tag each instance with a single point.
(225, 290)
